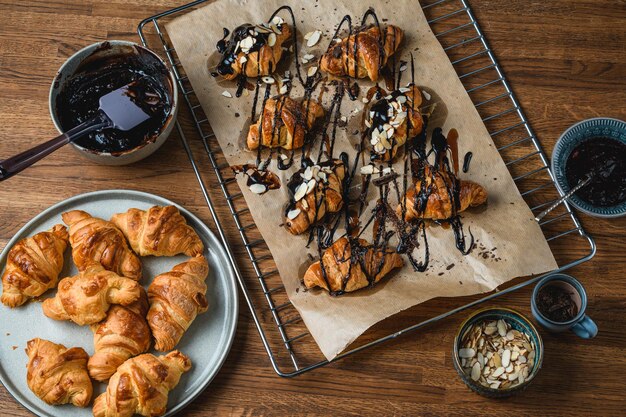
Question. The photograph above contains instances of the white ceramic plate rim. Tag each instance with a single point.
(216, 247)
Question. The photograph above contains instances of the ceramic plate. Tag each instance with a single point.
(207, 341)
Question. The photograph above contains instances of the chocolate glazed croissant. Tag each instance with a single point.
(252, 55)
(33, 266)
(339, 60)
(325, 197)
(388, 121)
(124, 333)
(141, 386)
(342, 272)
(58, 375)
(159, 231)
(86, 298)
(287, 130)
(439, 205)
(176, 298)
(98, 240)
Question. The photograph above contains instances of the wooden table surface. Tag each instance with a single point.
(566, 61)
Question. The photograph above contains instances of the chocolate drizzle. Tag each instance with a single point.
(391, 231)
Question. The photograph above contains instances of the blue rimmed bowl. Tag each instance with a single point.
(518, 322)
(572, 137)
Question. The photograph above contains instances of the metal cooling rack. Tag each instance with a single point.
(291, 349)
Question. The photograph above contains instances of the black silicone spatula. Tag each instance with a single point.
(116, 111)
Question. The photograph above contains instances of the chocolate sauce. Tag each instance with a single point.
(606, 158)
(102, 72)
(255, 176)
(466, 161)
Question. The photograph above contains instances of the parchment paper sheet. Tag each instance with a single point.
(506, 224)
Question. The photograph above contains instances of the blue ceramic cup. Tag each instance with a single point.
(581, 324)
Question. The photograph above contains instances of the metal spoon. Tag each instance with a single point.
(604, 171)
(116, 111)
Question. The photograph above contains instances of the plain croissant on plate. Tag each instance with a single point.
(97, 240)
(158, 231)
(341, 272)
(176, 298)
(339, 60)
(141, 386)
(124, 333)
(86, 298)
(33, 266)
(58, 375)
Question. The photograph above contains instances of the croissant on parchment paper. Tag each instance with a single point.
(252, 54)
(326, 196)
(97, 240)
(176, 298)
(158, 231)
(124, 333)
(342, 272)
(439, 205)
(287, 129)
(141, 386)
(86, 298)
(58, 375)
(339, 60)
(33, 266)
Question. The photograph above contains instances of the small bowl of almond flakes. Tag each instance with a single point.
(497, 352)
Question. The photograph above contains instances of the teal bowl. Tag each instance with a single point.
(572, 137)
(518, 322)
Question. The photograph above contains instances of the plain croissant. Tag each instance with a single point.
(158, 231)
(339, 60)
(86, 298)
(141, 386)
(33, 266)
(97, 240)
(176, 298)
(124, 333)
(341, 272)
(56, 374)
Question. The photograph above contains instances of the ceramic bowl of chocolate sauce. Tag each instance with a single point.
(99, 69)
(594, 146)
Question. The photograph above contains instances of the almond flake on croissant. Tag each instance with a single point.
(33, 266)
(86, 298)
(158, 231)
(58, 375)
(325, 197)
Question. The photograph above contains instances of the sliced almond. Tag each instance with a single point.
(311, 71)
(258, 188)
(506, 358)
(475, 371)
(498, 372)
(271, 39)
(268, 80)
(227, 94)
(313, 38)
(293, 213)
(300, 191)
(369, 170)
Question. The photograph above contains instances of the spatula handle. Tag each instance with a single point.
(21, 161)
